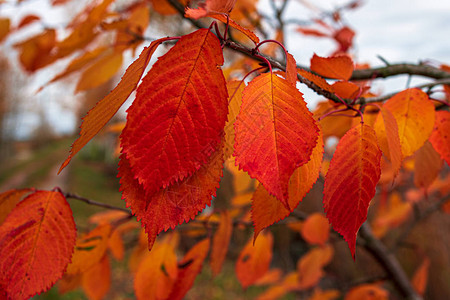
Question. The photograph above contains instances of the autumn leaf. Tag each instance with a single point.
(188, 269)
(79, 62)
(351, 180)
(35, 53)
(220, 243)
(367, 291)
(90, 249)
(332, 125)
(100, 72)
(291, 69)
(28, 265)
(209, 7)
(97, 280)
(317, 80)
(254, 260)
(9, 200)
(157, 273)
(27, 20)
(267, 210)
(106, 108)
(440, 137)
(175, 204)
(5, 24)
(275, 133)
(179, 113)
(235, 25)
(420, 278)
(427, 165)
(388, 138)
(338, 67)
(391, 214)
(315, 229)
(310, 266)
(415, 117)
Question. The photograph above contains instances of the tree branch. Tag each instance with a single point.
(400, 69)
(389, 263)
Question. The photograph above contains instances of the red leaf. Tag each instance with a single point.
(275, 133)
(36, 243)
(254, 260)
(106, 108)
(179, 113)
(440, 137)
(27, 20)
(189, 268)
(338, 67)
(267, 210)
(175, 204)
(344, 37)
(351, 180)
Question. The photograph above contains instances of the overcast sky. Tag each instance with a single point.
(398, 30)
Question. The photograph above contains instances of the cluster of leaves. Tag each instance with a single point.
(186, 121)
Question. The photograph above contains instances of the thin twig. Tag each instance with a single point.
(95, 203)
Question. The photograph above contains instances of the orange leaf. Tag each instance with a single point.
(79, 62)
(388, 139)
(5, 24)
(338, 67)
(324, 295)
(367, 292)
(271, 277)
(346, 89)
(97, 280)
(332, 125)
(415, 116)
(351, 180)
(179, 113)
(189, 268)
(390, 215)
(28, 265)
(291, 69)
(235, 89)
(317, 80)
(310, 266)
(427, 165)
(157, 273)
(35, 52)
(106, 108)
(100, 72)
(275, 133)
(267, 210)
(175, 204)
(420, 279)
(440, 137)
(163, 7)
(315, 229)
(209, 7)
(220, 243)
(89, 249)
(236, 26)
(254, 260)
(9, 200)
